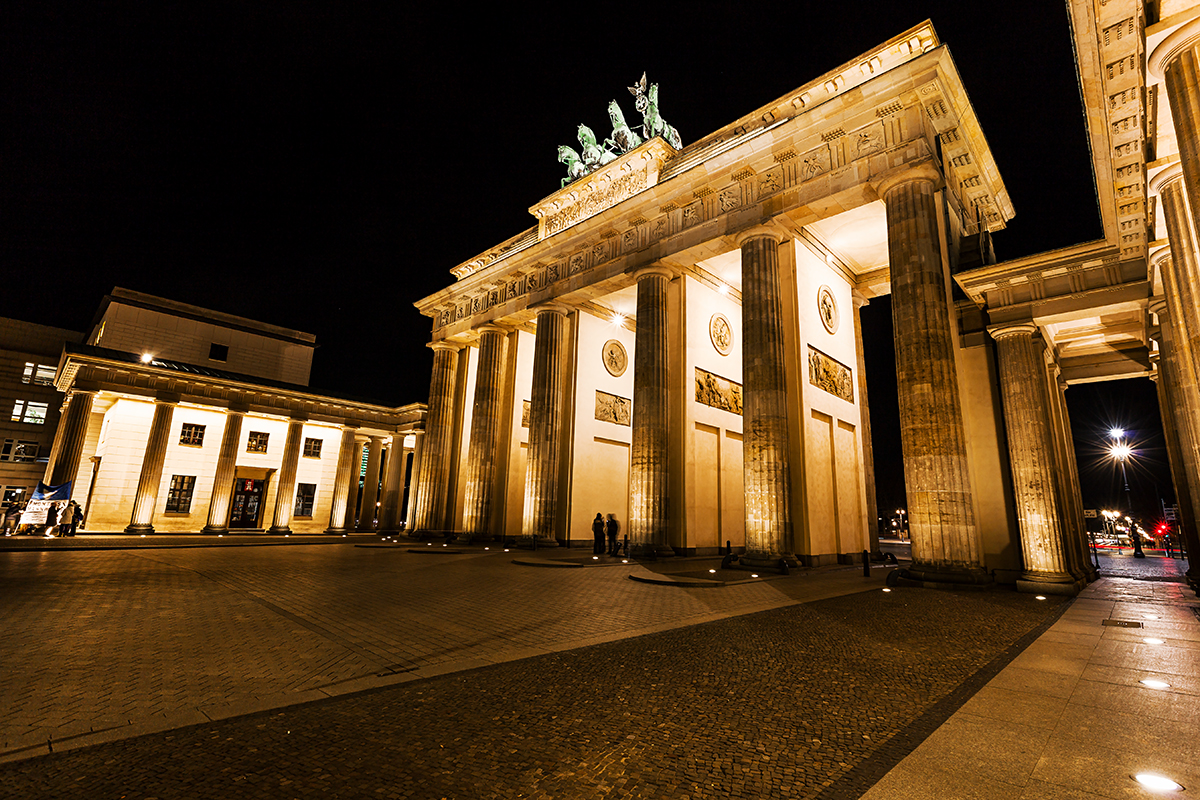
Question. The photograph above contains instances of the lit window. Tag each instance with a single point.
(312, 448)
(38, 374)
(257, 442)
(192, 435)
(28, 411)
(19, 450)
(218, 352)
(305, 494)
(13, 493)
(179, 498)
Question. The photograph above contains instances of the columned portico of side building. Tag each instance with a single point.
(431, 512)
(222, 490)
(370, 493)
(69, 438)
(941, 512)
(1048, 558)
(343, 490)
(285, 492)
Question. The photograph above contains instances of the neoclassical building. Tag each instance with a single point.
(183, 419)
(676, 340)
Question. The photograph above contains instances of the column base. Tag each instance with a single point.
(527, 543)
(279, 529)
(209, 529)
(933, 577)
(1050, 583)
(131, 528)
(335, 531)
(768, 561)
(654, 551)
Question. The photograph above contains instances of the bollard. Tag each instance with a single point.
(866, 564)
(728, 547)
(625, 545)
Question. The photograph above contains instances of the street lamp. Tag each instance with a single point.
(1120, 451)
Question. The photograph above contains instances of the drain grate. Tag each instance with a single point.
(1121, 623)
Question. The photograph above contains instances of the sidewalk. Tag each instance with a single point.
(1069, 718)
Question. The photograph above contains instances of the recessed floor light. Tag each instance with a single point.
(712, 572)
(1157, 783)
(1153, 684)
(1040, 597)
(753, 575)
(624, 561)
(1152, 641)
(1151, 616)
(887, 590)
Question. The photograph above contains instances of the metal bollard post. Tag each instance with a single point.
(866, 564)
(625, 546)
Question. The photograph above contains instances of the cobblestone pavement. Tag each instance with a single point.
(1152, 567)
(815, 700)
(105, 644)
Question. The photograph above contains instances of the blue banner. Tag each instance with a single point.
(60, 492)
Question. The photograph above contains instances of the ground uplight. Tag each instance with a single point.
(1151, 640)
(887, 590)
(1153, 684)
(1157, 783)
(1040, 597)
(753, 574)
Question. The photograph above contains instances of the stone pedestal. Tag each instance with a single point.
(766, 473)
(1044, 545)
(146, 497)
(370, 497)
(222, 491)
(545, 429)
(648, 476)
(341, 482)
(430, 511)
(941, 511)
(285, 490)
(864, 414)
(69, 438)
(480, 489)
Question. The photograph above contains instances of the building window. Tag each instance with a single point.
(179, 498)
(312, 448)
(39, 374)
(192, 435)
(12, 494)
(305, 494)
(19, 450)
(28, 411)
(218, 352)
(257, 442)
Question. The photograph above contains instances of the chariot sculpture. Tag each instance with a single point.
(593, 155)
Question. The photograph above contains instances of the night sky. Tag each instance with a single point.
(323, 166)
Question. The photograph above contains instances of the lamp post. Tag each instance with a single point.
(903, 522)
(1120, 452)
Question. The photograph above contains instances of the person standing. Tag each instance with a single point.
(612, 528)
(51, 519)
(598, 535)
(65, 522)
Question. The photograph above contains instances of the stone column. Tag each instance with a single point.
(864, 427)
(370, 496)
(1073, 496)
(941, 510)
(393, 484)
(69, 438)
(648, 476)
(146, 497)
(418, 450)
(1181, 272)
(352, 496)
(479, 493)
(1177, 59)
(430, 509)
(341, 481)
(545, 428)
(285, 491)
(765, 470)
(222, 491)
(1044, 544)
(1180, 437)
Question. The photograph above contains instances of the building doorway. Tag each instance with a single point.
(246, 509)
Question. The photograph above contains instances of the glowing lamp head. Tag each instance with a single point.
(1116, 433)
(1120, 451)
(147, 358)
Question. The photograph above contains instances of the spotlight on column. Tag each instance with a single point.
(147, 358)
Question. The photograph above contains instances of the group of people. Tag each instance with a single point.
(602, 529)
(63, 523)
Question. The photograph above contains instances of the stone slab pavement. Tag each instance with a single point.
(102, 644)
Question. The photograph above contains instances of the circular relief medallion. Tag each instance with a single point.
(614, 358)
(721, 334)
(827, 308)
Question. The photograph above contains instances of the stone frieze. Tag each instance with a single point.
(611, 408)
(717, 392)
(830, 375)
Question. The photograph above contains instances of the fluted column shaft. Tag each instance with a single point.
(69, 438)
(1073, 496)
(648, 477)
(1181, 73)
(864, 427)
(480, 490)
(429, 512)
(937, 479)
(356, 474)
(1181, 441)
(366, 515)
(393, 484)
(222, 491)
(1181, 272)
(414, 476)
(146, 496)
(285, 491)
(765, 470)
(1031, 458)
(341, 482)
(545, 428)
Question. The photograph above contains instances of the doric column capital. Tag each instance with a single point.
(760, 232)
(491, 327)
(444, 345)
(1168, 49)
(999, 332)
(654, 269)
(908, 173)
(1160, 259)
(554, 308)
(858, 298)
(167, 399)
(1158, 307)
(238, 408)
(1166, 177)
